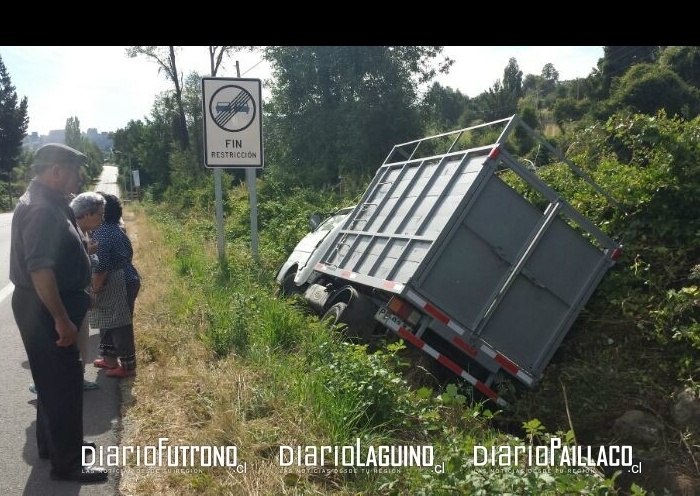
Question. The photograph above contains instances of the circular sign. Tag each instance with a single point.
(232, 108)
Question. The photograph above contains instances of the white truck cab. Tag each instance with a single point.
(298, 271)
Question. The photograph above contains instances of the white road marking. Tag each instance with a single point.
(6, 291)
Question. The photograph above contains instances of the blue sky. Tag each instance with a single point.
(105, 89)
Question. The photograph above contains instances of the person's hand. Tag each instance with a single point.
(92, 246)
(67, 332)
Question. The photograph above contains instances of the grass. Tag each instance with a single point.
(223, 361)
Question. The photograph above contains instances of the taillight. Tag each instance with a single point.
(404, 310)
(617, 252)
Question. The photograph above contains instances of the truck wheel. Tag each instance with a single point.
(288, 287)
(351, 320)
(334, 316)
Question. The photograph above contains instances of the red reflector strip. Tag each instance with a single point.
(465, 346)
(495, 152)
(436, 313)
(484, 389)
(449, 364)
(456, 369)
(418, 343)
(507, 364)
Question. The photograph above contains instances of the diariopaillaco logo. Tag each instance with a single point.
(555, 455)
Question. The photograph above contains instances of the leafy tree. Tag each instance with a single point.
(570, 109)
(647, 88)
(443, 106)
(74, 138)
(496, 102)
(165, 58)
(685, 61)
(192, 103)
(13, 127)
(617, 59)
(501, 99)
(513, 80)
(73, 135)
(550, 79)
(336, 111)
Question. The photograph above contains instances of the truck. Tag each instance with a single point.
(297, 272)
(461, 249)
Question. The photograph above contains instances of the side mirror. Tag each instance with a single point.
(314, 220)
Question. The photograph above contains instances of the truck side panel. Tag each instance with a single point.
(402, 213)
(513, 275)
(465, 271)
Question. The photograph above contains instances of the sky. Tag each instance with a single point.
(105, 89)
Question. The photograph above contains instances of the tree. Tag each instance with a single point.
(165, 58)
(501, 99)
(685, 61)
(647, 88)
(617, 59)
(513, 80)
(443, 106)
(551, 78)
(336, 111)
(13, 127)
(73, 135)
(217, 54)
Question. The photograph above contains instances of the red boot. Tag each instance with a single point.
(120, 372)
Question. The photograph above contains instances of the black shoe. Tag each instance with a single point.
(44, 455)
(84, 475)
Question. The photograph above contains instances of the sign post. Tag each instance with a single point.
(232, 109)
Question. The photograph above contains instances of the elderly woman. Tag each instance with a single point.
(89, 209)
(116, 284)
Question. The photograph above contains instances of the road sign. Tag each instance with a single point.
(232, 122)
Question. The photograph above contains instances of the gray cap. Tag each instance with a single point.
(57, 153)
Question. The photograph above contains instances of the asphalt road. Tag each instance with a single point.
(22, 472)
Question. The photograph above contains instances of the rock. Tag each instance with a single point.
(639, 429)
(686, 411)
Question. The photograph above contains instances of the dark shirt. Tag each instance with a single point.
(45, 236)
(114, 251)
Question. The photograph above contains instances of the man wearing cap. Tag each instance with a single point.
(50, 268)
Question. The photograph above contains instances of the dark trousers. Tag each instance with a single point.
(58, 376)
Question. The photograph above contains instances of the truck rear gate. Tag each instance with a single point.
(497, 277)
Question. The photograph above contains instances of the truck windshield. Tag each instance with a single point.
(332, 221)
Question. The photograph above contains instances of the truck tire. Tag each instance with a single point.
(334, 316)
(289, 288)
(355, 318)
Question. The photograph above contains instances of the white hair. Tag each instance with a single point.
(86, 203)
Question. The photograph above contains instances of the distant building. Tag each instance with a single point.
(34, 140)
